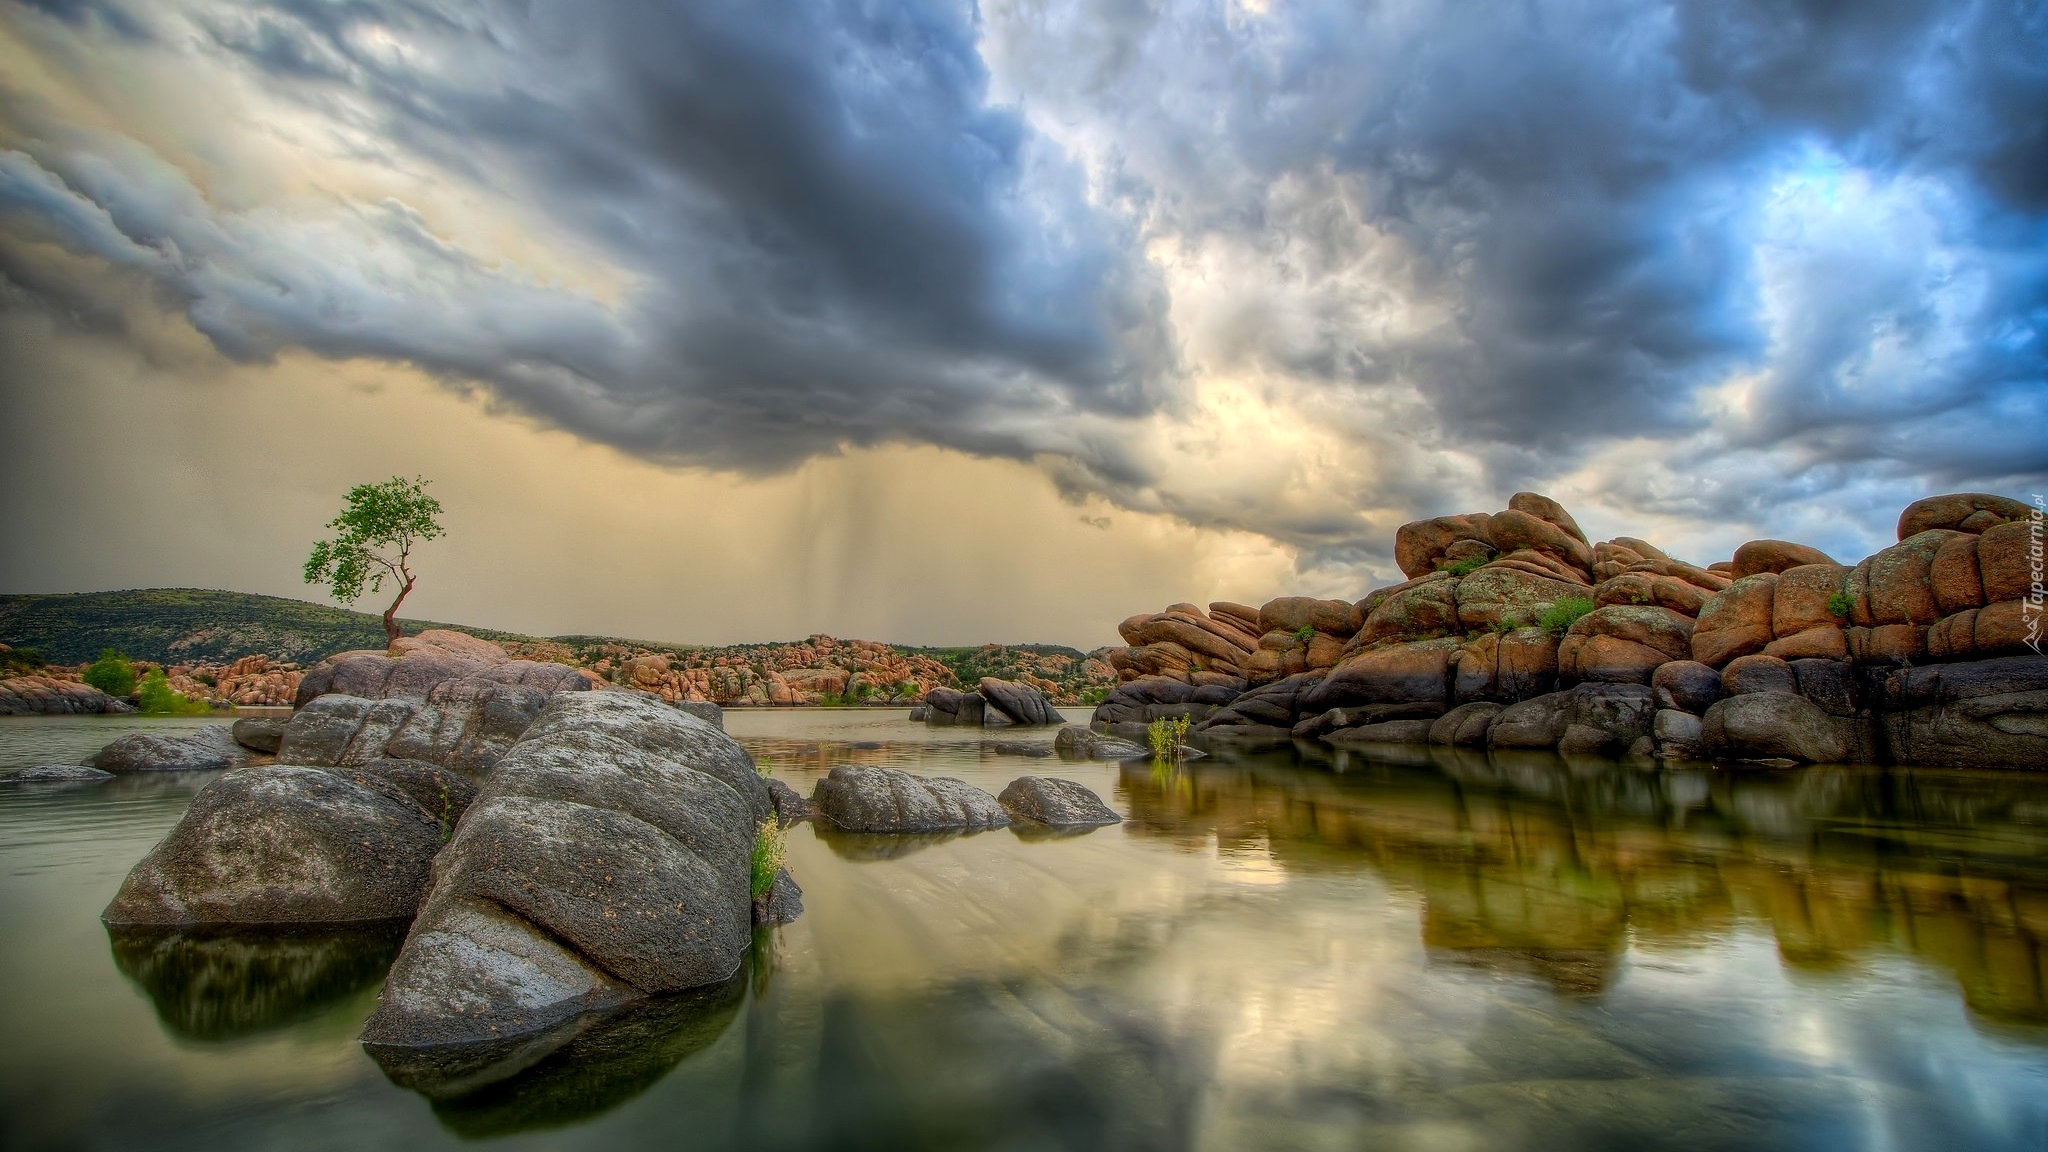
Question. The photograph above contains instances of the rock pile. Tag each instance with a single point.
(994, 703)
(1514, 630)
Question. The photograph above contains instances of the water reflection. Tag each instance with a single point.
(1547, 867)
(587, 1066)
(226, 985)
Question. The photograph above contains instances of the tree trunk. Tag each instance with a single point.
(391, 629)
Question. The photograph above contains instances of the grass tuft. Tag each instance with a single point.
(769, 848)
(1560, 617)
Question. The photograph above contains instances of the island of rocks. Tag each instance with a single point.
(556, 848)
(1514, 631)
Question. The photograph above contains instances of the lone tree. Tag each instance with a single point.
(373, 539)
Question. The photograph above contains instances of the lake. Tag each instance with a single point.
(1279, 949)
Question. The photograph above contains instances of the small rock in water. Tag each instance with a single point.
(56, 774)
(790, 808)
(782, 903)
(1060, 803)
(196, 750)
(1075, 742)
(261, 733)
(862, 798)
(1018, 748)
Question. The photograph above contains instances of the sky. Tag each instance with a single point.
(949, 323)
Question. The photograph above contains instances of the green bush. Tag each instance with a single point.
(158, 698)
(1560, 617)
(1304, 634)
(1840, 605)
(20, 661)
(1508, 624)
(1166, 734)
(769, 849)
(112, 673)
(1465, 567)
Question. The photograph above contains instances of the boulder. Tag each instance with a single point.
(1533, 723)
(1889, 643)
(1979, 714)
(1420, 547)
(1541, 564)
(1052, 801)
(1800, 599)
(861, 798)
(55, 774)
(2005, 561)
(1497, 596)
(1758, 673)
(1277, 705)
(183, 750)
(284, 845)
(1662, 629)
(704, 710)
(1827, 641)
(1954, 575)
(1831, 685)
(1650, 589)
(1686, 684)
(335, 730)
(1384, 732)
(1605, 719)
(948, 706)
(1465, 726)
(259, 733)
(2006, 628)
(1077, 743)
(1506, 666)
(1168, 628)
(1408, 673)
(790, 807)
(450, 642)
(1776, 556)
(1897, 583)
(1293, 613)
(1021, 703)
(1678, 734)
(1961, 511)
(47, 696)
(1514, 529)
(1242, 617)
(1607, 659)
(1419, 610)
(1737, 621)
(413, 674)
(1772, 725)
(1544, 508)
(606, 859)
(467, 725)
(782, 903)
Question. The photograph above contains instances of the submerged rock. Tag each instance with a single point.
(284, 845)
(1075, 742)
(861, 798)
(56, 774)
(197, 750)
(1059, 803)
(606, 859)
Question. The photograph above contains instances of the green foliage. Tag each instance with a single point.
(1465, 567)
(769, 848)
(1508, 624)
(112, 673)
(1097, 694)
(1840, 605)
(157, 698)
(1560, 617)
(447, 814)
(1165, 735)
(20, 662)
(374, 536)
(1304, 634)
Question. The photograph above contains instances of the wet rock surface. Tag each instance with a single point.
(862, 798)
(1055, 802)
(197, 750)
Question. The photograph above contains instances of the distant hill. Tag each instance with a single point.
(191, 625)
(195, 625)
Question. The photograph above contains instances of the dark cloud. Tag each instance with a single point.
(1802, 234)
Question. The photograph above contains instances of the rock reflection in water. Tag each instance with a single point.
(1540, 866)
(227, 985)
(586, 1066)
(861, 846)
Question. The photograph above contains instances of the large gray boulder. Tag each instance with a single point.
(1774, 725)
(467, 724)
(429, 659)
(183, 750)
(605, 859)
(1466, 725)
(259, 733)
(1537, 722)
(949, 706)
(1019, 703)
(338, 730)
(861, 798)
(286, 845)
(1983, 713)
(1055, 802)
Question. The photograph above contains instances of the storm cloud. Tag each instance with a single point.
(1306, 269)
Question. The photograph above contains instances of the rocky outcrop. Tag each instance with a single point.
(187, 750)
(416, 665)
(1054, 802)
(288, 845)
(50, 696)
(862, 798)
(1486, 617)
(606, 859)
(1985, 713)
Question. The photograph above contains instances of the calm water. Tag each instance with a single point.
(1269, 953)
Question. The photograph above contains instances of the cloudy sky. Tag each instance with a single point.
(946, 323)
